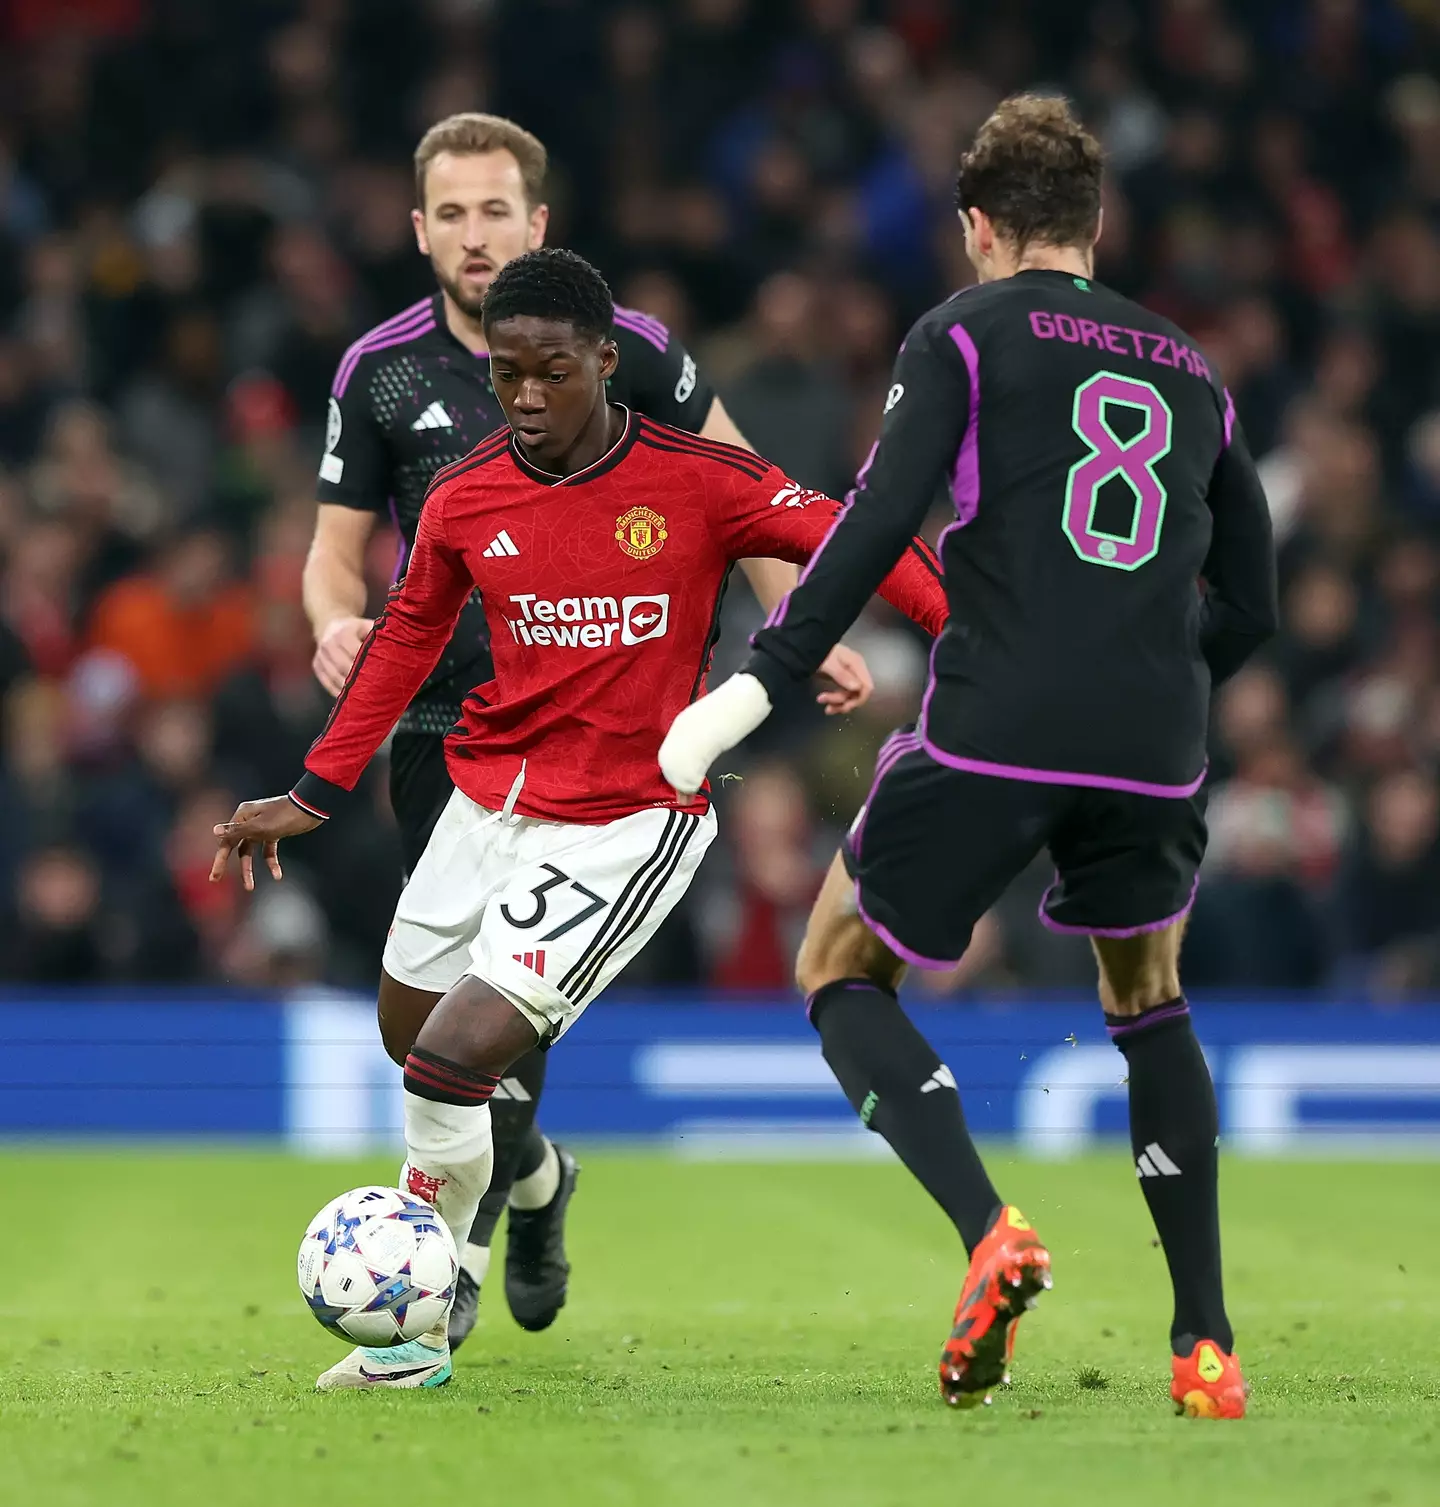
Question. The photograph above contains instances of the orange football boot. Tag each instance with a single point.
(1008, 1270)
(1207, 1383)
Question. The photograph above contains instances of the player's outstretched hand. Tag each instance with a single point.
(853, 681)
(336, 650)
(706, 728)
(259, 825)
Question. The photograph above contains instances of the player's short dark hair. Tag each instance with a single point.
(1035, 171)
(471, 134)
(552, 284)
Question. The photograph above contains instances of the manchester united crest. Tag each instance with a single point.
(640, 533)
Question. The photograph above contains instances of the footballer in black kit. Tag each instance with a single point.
(1097, 474)
(409, 398)
(1109, 561)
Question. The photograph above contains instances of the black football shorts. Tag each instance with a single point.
(934, 848)
(420, 789)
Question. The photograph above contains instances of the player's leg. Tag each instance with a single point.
(449, 1153)
(420, 788)
(1127, 868)
(1174, 1129)
(929, 854)
(449, 1078)
(889, 1072)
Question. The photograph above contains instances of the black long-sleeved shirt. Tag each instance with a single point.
(1110, 558)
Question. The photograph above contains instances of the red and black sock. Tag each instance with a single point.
(1174, 1127)
(444, 1082)
(902, 1091)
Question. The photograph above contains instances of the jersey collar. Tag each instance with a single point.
(442, 328)
(607, 462)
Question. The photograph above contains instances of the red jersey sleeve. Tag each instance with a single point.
(777, 518)
(402, 649)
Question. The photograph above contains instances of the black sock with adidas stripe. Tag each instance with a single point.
(519, 1143)
(1173, 1131)
(902, 1091)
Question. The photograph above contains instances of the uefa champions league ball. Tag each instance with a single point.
(377, 1266)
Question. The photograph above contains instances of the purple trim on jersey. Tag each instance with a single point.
(414, 322)
(1148, 1018)
(964, 487)
(1060, 776)
(965, 483)
(1118, 932)
(645, 325)
(402, 549)
(1229, 419)
(935, 642)
(783, 605)
(895, 944)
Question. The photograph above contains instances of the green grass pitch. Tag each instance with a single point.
(736, 1334)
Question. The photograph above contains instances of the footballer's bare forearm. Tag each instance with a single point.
(333, 583)
(770, 580)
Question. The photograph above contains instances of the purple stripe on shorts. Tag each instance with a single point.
(895, 747)
(645, 326)
(1149, 1018)
(965, 481)
(895, 945)
(380, 339)
(1117, 932)
(1060, 776)
(1229, 419)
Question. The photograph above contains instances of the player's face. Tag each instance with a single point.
(475, 219)
(550, 380)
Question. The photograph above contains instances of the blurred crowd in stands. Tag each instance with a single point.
(203, 203)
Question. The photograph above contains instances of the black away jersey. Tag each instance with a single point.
(1110, 556)
(409, 398)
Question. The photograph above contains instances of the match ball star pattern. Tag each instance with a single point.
(377, 1266)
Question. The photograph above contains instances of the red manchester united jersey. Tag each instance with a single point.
(602, 590)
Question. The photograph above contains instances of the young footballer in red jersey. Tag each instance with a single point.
(600, 542)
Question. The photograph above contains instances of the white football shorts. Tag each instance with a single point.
(547, 913)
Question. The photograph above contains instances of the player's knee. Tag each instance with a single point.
(401, 1011)
(1138, 973)
(845, 950)
(476, 1025)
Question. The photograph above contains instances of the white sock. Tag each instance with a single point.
(476, 1260)
(448, 1159)
(536, 1190)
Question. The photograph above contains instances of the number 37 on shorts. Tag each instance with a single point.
(546, 913)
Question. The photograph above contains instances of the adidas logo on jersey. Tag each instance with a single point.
(942, 1077)
(434, 417)
(589, 622)
(1153, 1162)
(501, 544)
(795, 497)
